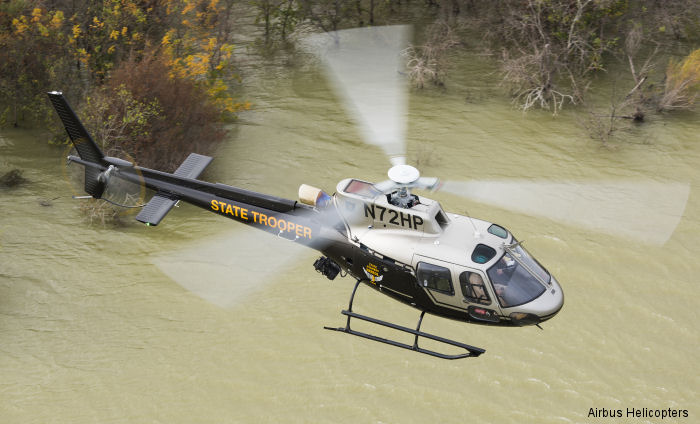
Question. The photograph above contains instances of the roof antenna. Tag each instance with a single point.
(477, 234)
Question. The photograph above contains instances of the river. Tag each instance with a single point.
(96, 326)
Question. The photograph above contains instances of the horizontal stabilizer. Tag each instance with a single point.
(156, 209)
(193, 166)
(161, 203)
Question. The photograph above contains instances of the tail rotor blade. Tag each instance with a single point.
(647, 211)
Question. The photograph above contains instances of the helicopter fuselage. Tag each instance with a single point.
(445, 264)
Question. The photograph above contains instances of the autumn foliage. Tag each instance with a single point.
(181, 117)
(682, 85)
(167, 62)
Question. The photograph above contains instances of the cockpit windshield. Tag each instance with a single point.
(517, 278)
(522, 255)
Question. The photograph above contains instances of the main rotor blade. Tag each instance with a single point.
(227, 269)
(647, 211)
(365, 68)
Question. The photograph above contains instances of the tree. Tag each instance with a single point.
(79, 43)
(682, 85)
(428, 62)
(32, 51)
(552, 47)
(278, 16)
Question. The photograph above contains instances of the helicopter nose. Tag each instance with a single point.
(542, 309)
(556, 301)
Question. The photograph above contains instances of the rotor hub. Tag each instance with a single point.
(403, 174)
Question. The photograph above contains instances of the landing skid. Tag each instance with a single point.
(471, 351)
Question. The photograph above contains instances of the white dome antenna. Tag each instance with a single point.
(403, 174)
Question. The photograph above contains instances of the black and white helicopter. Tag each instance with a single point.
(381, 234)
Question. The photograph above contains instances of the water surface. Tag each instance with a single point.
(93, 330)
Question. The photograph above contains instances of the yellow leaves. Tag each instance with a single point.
(191, 46)
(691, 66)
(37, 23)
(36, 15)
(218, 92)
(196, 66)
(231, 106)
(226, 52)
(132, 8)
(211, 44)
(42, 30)
(82, 55)
(189, 6)
(96, 39)
(687, 72)
(168, 37)
(217, 88)
(96, 23)
(194, 51)
(682, 86)
(20, 24)
(114, 35)
(170, 7)
(57, 19)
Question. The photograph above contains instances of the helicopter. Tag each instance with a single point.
(400, 244)
(382, 235)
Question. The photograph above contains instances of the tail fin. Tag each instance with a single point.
(84, 144)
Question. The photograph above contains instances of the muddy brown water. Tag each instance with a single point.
(93, 329)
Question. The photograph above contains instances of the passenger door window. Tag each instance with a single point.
(435, 278)
(473, 288)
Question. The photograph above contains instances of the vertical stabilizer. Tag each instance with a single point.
(84, 144)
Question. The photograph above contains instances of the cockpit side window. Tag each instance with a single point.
(435, 278)
(483, 253)
(473, 288)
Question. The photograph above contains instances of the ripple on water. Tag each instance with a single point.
(88, 319)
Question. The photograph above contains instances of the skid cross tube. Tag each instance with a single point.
(471, 351)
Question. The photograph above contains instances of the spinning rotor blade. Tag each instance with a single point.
(117, 191)
(365, 66)
(227, 269)
(647, 211)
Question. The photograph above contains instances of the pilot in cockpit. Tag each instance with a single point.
(504, 269)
